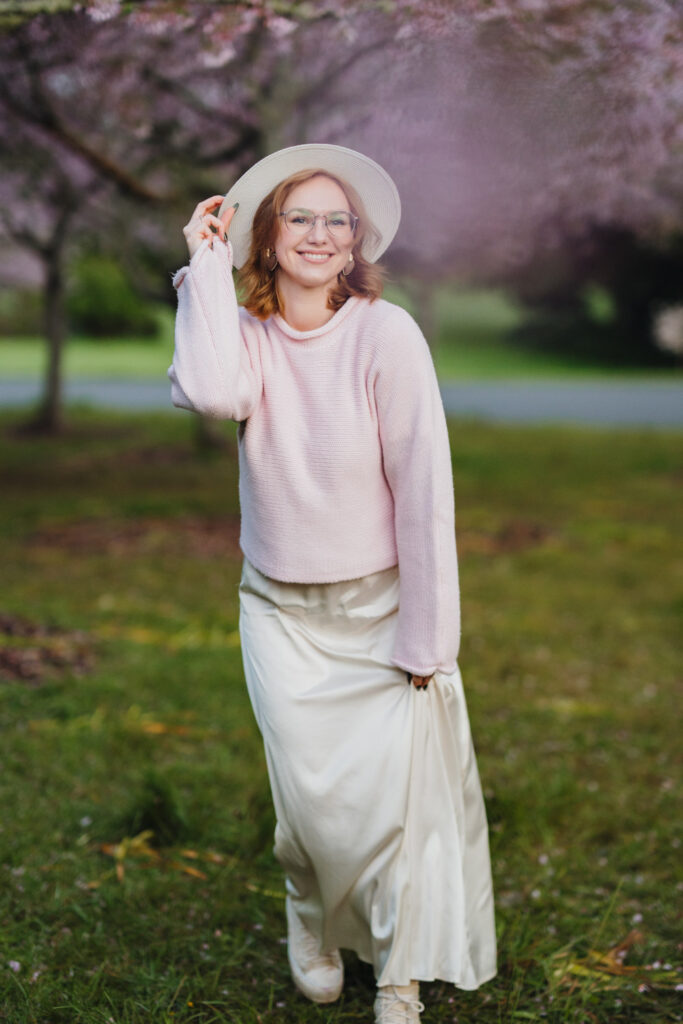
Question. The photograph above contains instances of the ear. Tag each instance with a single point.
(350, 264)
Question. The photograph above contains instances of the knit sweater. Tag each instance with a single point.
(343, 450)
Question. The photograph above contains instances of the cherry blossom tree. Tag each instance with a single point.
(101, 133)
(530, 138)
(117, 121)
(514, 129)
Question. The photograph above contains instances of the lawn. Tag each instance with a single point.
(470, 344)
(124, 712)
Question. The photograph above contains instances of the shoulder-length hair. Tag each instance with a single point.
(258, 285)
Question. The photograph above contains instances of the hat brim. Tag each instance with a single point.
(372, 183)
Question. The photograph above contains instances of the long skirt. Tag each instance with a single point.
(381, 828)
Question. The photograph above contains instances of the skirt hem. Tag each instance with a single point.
(427, 979)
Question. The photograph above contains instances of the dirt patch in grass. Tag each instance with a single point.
(215, 537)
(148, 458)
(514, 535)
(156, 455)
(27, 429)
(31, 652)
(196, 536)
(167, 454)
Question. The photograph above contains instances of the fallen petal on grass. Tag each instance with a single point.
(138, 849)
(607, 969)
(187, 869)
(252, 887)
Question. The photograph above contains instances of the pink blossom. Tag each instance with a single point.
(103, 10)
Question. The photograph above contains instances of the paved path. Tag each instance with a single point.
(611, 403)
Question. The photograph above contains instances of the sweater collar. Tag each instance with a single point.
(317, 332)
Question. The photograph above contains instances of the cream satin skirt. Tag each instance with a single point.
(381, 828)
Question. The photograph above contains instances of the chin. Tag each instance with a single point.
(315, 277)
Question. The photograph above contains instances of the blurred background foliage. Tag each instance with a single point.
(538, 151)
(103, 302)
(603, 304)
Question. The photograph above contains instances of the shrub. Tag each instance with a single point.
(103, 303)
(21, 313)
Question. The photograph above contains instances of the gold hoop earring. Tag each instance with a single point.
(271, 260)
(348, 269)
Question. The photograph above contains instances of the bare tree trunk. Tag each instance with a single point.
(49, 418)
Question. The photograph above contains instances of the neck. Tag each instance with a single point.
(304, 309)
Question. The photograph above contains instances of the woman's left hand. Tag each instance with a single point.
(419, 682)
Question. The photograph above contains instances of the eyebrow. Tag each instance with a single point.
(307, 209)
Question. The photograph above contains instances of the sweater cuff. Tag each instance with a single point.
(223, 250)
(417, 669)
(414, 669)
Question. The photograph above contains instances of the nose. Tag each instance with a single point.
(318, 232)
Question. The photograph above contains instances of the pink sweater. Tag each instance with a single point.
(343, 450)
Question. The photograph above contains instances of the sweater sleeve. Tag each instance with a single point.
(417, 465)
(212, 372)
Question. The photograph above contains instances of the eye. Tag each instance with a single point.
(300, 217)
(338, 220)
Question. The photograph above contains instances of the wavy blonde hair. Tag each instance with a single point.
(258, 285)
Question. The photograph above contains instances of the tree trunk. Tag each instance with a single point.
(423, 293)
(49, 418)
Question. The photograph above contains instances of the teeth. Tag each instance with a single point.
(319, 257)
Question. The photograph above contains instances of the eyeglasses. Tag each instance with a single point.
(339, 223)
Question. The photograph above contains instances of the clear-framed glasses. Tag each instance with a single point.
(340, 223)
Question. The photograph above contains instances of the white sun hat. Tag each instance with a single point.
(371, 182)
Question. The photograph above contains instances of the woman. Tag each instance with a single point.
(349, 595)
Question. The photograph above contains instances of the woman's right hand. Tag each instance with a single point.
(202, 221)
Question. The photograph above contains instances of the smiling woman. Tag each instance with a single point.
(283, 237)
(349, 587)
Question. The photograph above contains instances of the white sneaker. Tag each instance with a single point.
(319, 976)
(398, 1004)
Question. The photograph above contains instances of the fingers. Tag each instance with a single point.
(207, 204)
(210, 221)
(419, 682)
(227, 216)
(203, 224)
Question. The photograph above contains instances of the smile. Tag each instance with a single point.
(316, 257)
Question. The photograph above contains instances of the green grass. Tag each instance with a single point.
(147, 360)
(122, 536)
(469, 344)
(87, 357)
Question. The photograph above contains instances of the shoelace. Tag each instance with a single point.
(393, 1006)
